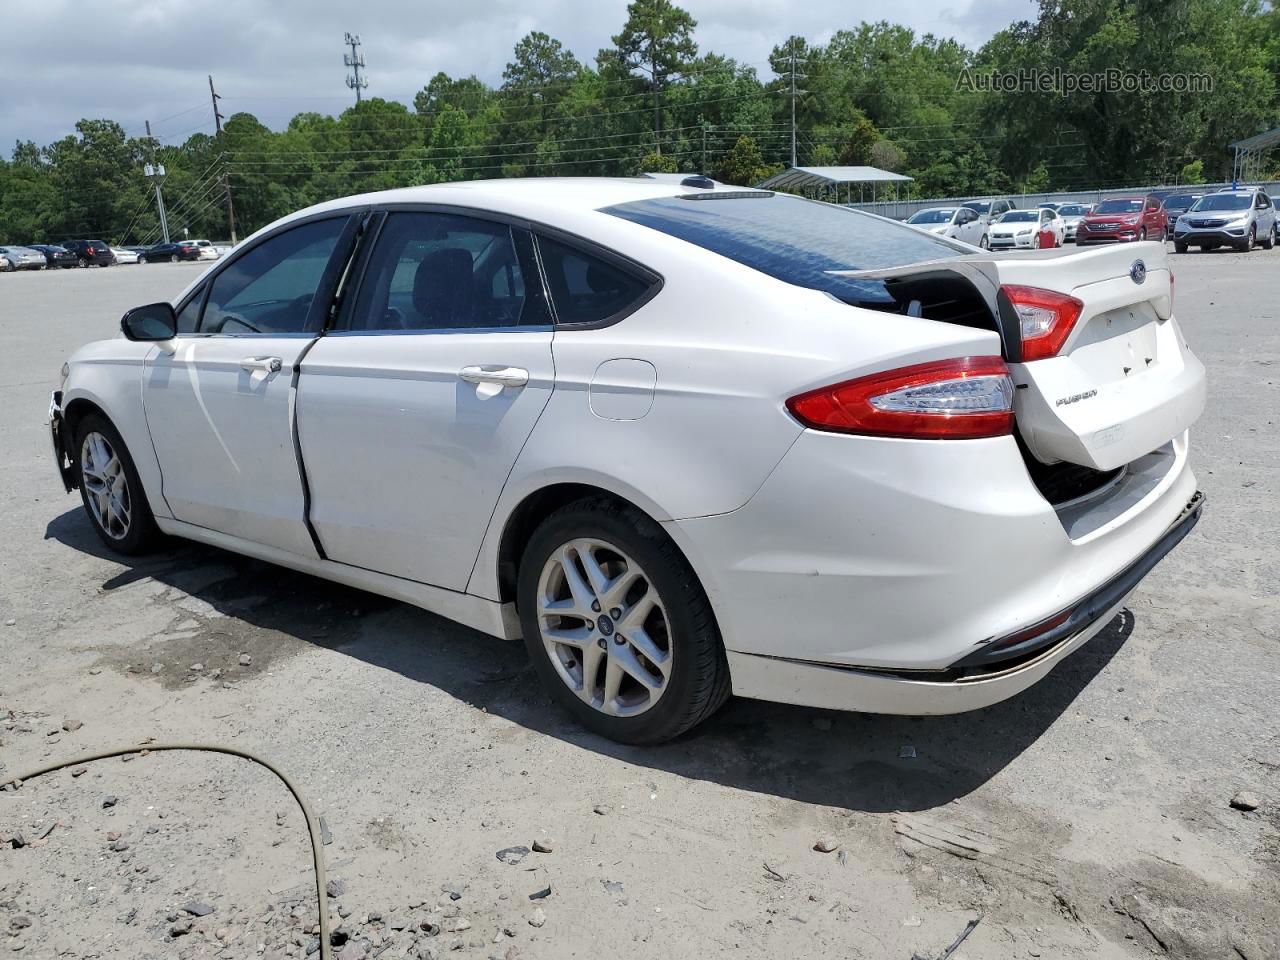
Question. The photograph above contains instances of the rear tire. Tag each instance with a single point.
(1270, 241)
(111, 489)
(632, 607)
(173, 258)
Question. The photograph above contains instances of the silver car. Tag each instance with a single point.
(1235, 218)
(1072, 214)
(21, 258)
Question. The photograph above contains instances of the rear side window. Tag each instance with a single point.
(442, 271)
(794, 240)
(587, 289)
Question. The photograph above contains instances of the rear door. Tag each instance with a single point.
(220, 406)
(412, 413)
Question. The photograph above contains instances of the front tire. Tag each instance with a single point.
(173, 258)
(1247, 244)
(1179, 247)
(111, 489)
(617, 625)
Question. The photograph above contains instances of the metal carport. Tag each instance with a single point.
(825, 182)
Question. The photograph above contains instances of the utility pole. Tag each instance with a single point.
(355, 60)
(156, 172)
(226, 180)
(794, 92)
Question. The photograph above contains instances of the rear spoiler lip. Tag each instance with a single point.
(1085, 612)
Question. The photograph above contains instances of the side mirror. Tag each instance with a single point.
(155, 321)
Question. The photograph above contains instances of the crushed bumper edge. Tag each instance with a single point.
(66, 470)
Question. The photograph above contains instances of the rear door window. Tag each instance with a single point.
(792, 239)
(588, 289)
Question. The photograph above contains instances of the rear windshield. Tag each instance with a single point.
(1119, 206)
(1223, 201)
(933, 216)
(791, 239)
(1073, 210)
(1181, 200)
(1020, 216)
(979, 206)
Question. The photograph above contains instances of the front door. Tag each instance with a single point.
(411, 414)
(220, 407)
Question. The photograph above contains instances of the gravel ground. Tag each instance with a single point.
(1089, 817)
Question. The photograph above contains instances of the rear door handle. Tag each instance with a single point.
(503, 376)
(262, 364)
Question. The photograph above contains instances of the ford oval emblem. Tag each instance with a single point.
(1138, 272)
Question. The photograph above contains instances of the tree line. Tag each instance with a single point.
(876, 94)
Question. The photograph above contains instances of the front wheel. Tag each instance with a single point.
(618, 627)
(111, 489)
(984, 243)
(173, 258)
(82, 263)
(1179, 247)
(1142, 234)
(1251, 238)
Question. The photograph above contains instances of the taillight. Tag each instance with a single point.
(964, 398)
(1045, 318)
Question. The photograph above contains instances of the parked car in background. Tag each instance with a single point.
(21, 258)
(1050, 206)
(959, 223)
(91, 253)
(1176, 204)
(1123, 220)
(170, 252)
(1072, 214)
(989, 210)
(55, 255)
(1020, 229)
(1236, 218)
(893, 527)
(207, 250)
(124, 255)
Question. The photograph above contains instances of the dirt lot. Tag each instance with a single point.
(1089, 817)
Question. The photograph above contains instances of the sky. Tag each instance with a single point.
(138, 60)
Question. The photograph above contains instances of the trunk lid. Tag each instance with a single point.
(1124, 382)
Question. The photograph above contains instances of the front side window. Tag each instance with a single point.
(189, 315)
(441, 271)
(269, 288)
(798, 241)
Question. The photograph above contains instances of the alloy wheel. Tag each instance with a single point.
(82, 262)
(104, 481)
(604, 627)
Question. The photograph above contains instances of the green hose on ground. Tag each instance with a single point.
(313, 827)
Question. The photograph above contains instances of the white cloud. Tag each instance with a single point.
(135, 61)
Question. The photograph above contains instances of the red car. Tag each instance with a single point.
(1123, 219)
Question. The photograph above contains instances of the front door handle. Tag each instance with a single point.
(503, 376)
(262, 364)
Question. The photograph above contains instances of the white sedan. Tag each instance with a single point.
(959, 223)
(1021, 229)
(684, 440)
(125, 256)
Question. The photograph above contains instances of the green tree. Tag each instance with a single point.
(744, 165)
(657, 41)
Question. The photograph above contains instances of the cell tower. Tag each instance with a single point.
(355, 60)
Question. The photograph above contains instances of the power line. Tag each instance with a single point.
(226, 183)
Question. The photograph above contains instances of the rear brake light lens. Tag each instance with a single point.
(964, 398)
(1045, 318)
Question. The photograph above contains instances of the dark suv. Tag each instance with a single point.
(91, 253)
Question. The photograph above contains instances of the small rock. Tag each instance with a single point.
(180, 929)
(157, 667)
(907, 751)
(79, 771)
(222, 933)
(10, 622)
(454, 890)
(245, 659)
(198, 909)
(538, 917)
(1245, 800)
(197, 667)
(613, 886)
(541, 894)
(120, 846)
(602, 809)
(20, 922)
(512, 855)
(397, 923)
(458, 924)
(109, 802)
(335, 888)
(543, 846)
(352, 950)
(71, 726)
(826, 846)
